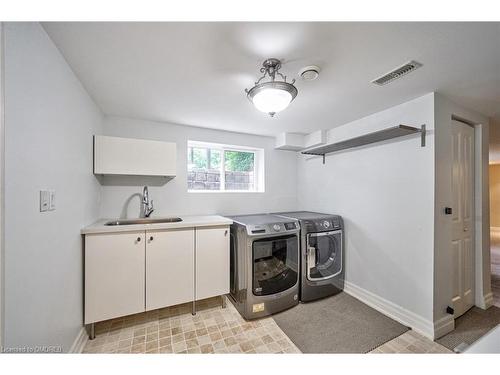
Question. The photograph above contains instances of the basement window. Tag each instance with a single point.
(214, 167)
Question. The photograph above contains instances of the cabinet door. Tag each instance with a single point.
(212, 261)
(114, 275)
(169, 268)
(140, 157)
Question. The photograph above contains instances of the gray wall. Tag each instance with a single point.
(119, 195)
(385, 192)
(49, 123)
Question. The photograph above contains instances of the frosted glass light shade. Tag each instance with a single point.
(272, 100)
(272, 97)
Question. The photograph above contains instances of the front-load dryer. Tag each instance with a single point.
(322, 254)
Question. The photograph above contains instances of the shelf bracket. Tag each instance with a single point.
(323, 158)
(422, 135)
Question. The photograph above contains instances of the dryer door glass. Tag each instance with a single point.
(275, 264)
(323, 255)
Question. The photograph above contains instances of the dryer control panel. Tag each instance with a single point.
(333, 223)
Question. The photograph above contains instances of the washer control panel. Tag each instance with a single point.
(273, 228)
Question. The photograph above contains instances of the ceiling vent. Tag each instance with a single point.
(397, 73)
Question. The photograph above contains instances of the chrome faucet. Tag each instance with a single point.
(147, 205)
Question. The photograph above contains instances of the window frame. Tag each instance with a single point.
(259, 166)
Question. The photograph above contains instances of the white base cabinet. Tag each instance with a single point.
(114, 275)
(132, 272)
(212, 262)
(169, 268)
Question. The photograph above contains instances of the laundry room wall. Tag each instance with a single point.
(120, 197)
(49, 122)
(385, 193)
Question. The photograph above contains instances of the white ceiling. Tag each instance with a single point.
(195, 73)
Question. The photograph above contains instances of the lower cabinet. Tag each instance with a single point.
(212, 262)
(169, 268)
(114, 275)
(132, 272)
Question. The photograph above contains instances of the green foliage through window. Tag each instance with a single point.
(204, 158)
(238, 161)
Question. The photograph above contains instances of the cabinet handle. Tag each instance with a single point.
(225, 233)
(151, 238)
(138, 239)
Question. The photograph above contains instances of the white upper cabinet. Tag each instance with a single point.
(134, 157)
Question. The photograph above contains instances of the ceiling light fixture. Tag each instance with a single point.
(272, 96)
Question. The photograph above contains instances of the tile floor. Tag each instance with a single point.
(410, 343)
(214, 330)
(174, 330)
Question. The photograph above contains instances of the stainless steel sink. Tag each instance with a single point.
(144, 221)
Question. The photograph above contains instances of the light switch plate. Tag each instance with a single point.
(52, 200)
(44, 200)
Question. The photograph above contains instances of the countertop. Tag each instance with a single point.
(187, 222)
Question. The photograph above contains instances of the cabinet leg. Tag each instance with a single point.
(92, 331)
(223, 301)
(193, 311)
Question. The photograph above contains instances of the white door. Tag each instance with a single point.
(169, 268)
(114, 275)
(212, 262)
(463, 217)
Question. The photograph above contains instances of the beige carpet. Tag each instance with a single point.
(474, 324)
(337, 324)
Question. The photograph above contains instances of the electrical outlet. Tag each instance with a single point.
(52, 200)
(44, 200)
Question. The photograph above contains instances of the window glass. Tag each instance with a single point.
(204, 168)
(239, 170)
(216, 167)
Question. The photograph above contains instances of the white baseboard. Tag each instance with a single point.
(80, 341)
(396, 312)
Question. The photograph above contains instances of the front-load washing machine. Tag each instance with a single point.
(264, 264)
(322, 254)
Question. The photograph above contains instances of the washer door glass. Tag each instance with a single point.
(324, 255)
(275, 264)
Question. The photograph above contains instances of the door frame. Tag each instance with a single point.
(473, 212)
(2, 183)
(483, 297)
(445, 110)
